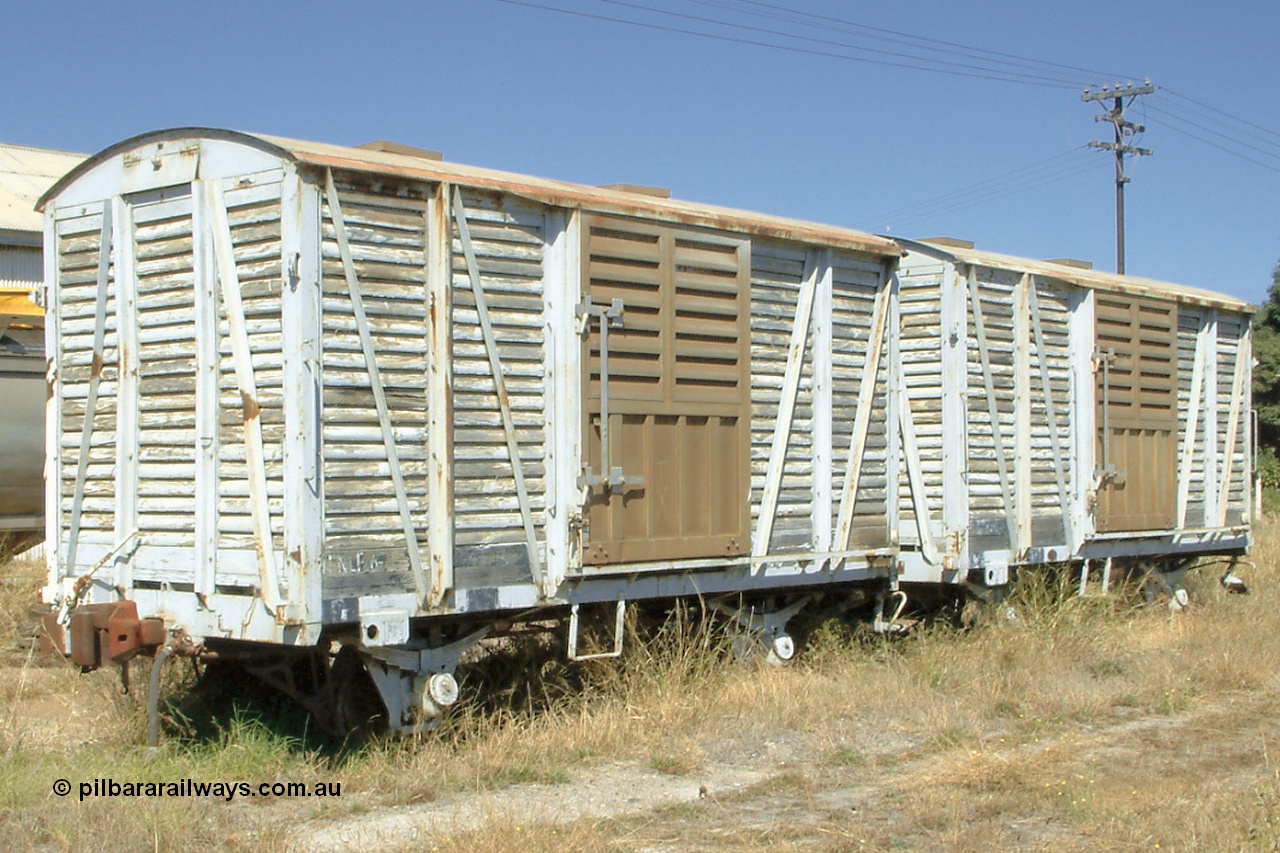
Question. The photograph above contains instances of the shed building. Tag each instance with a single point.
(25, 174)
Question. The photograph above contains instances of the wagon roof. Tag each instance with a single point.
(595, 199)
(1094, 279)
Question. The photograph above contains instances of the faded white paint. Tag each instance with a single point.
(340, 387)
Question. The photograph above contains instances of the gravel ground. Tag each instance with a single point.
(785, 786)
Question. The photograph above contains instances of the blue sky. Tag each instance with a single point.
(720, 117)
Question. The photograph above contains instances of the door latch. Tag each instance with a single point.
(612, 476)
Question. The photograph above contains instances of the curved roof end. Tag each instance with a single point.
(253, 140)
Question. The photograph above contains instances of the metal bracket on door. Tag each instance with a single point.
(612, 477)
(1106, 471)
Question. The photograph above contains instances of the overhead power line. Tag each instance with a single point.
(1272, 135)
(981, 66)
(1023, 179)
(1270, 151)
(940, 45)
(1218, 129)
(1172, 123)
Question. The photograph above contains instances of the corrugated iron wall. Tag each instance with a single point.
(21, 266)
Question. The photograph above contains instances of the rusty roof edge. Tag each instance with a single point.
(561, 193)
(1092, 279)
(593, 199)
(253, 139)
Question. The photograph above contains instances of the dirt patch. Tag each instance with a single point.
(788, 790)
(600, 791)
(53, 706)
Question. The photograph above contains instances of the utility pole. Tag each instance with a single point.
(1125, 130)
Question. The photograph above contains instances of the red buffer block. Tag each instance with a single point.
(112, 633)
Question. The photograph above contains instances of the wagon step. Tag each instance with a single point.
(619, 623)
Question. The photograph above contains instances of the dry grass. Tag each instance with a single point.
(20, 582)
(1079, 724)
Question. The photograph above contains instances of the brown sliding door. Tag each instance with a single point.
(1137, 412)
(666, 380)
